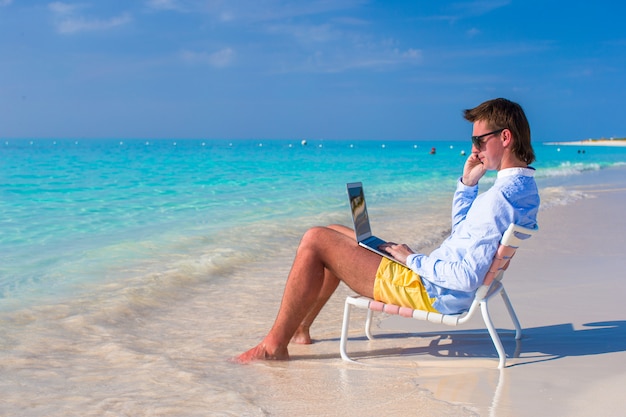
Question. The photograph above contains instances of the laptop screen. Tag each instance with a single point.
(359, 211)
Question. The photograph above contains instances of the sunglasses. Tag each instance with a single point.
(477, 140)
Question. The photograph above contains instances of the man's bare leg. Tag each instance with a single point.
(303, 334)
(320, 249)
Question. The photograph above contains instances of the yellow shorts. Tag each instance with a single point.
(399, 285)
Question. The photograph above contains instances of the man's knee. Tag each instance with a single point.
(313, 236)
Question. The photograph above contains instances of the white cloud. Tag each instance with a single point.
(226, 16)
(307, 33)
(272, 10)
(480, 7)
(80, 24)
(338, 46)
(254, 10)
(219, 59)
(374, 60)
(466, 10)
(211, 7)
(472, 32)
(413, 54)
(67, 20)
(350, 21)
(176, 5)
(162, 4)
(61, 9)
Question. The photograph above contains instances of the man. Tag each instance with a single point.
(444, 281)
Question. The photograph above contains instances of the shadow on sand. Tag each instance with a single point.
(537, 344)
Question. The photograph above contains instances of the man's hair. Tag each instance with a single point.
(501, 113)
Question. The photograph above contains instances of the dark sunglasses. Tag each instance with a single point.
(477, 140)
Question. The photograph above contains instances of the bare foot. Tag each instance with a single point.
(302, 336)
(261, 352)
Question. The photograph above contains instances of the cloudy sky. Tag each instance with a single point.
(318, 69)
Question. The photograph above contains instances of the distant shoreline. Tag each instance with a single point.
(591, 142)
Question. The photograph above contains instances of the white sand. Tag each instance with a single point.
(591, 142)
(569, 288)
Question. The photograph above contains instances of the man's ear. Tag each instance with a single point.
(506, 138)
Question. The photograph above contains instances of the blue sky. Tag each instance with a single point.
(317, 69)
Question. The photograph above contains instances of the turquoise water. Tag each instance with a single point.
(81, 212)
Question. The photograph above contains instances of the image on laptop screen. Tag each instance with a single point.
(359, 211)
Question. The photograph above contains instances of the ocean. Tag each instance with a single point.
(131, 269)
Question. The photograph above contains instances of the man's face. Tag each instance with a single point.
(487, 145)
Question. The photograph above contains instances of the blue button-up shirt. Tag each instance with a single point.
(453, 272)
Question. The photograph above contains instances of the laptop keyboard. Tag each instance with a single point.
(374, 242)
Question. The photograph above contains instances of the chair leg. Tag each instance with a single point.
(494, 334)
(344, 332)
(509, 307)
(368, 324)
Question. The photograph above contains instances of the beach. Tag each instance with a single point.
(151, 327)
(591, 142)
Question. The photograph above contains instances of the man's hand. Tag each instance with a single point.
(473, 171)
(398, 251)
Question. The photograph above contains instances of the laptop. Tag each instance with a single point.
(361, 221)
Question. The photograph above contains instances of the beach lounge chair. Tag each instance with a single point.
(492, 285)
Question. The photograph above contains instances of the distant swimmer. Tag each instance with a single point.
(433, 150)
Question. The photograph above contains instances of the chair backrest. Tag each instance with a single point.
(511, 240)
